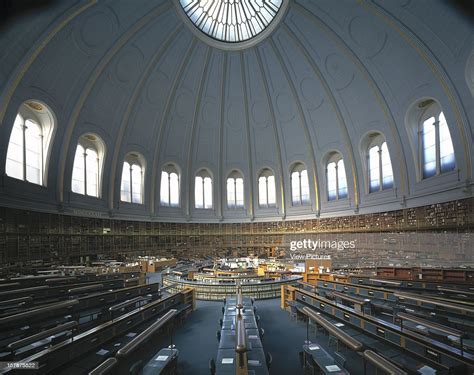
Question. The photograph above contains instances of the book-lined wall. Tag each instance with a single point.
(398, 236)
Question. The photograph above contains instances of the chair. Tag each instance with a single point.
(340, 358)
(135, 368)
(212, 366)
(269, 359)
(301, 358)
(332, 340)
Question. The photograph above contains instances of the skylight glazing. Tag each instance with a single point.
(231, 21)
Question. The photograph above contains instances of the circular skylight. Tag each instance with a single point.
(231, 21)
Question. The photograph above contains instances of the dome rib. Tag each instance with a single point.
(277, 134)
(30, 58)
(87, 88)
(377, 92)
(336, 107)
(220, 175)
(304, 122)
(171, 95)
(251, 178)
(125, 123)
(433, 64)
(196, 112)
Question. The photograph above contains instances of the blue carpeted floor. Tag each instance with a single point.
(284, 337)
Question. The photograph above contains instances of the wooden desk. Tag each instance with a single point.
(325, 362)
(165, 362)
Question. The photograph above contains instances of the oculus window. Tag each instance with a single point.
(231, 21)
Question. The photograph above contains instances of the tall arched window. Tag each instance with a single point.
(203, 190)
(86, 174)
(437, 151)
(336, 178)
(235, 190)
(169, 190)
(266, 189)
(379, 165)
(299, 185)
(131, 187)
(29, 143)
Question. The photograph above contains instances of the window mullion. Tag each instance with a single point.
(131, 184)
(24, 152)
(380, 169)
(85, 171)
(169, 189)
(42, 158)
(267, 190)
(300, 189)
(437, 147)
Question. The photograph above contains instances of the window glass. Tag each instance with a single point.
(332, 181)
(164, 190)
(295, 188)
(239, 192)
(271, 190)
(374, 169)
(342, 182)
(125, 188)
(33, 152)
(446, 149)
(207, 192)
(174, 189)
(262, 191)
(304, 187)
(199, 192)
(92, 173)
(429, 147)
(14, 164)
(78, 181)
(136, 184)
(387, 172)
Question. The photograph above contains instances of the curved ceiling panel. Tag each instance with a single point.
(328, 79)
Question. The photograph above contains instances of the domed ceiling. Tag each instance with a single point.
(324, 78)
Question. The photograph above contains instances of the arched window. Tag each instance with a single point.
(437, 154)
(299, 185)
(336, 178)
(266, 189)
(86, 174)
(203, 190)
(235, 190)
(379, 165)
(29, 143)
(131, 187)
(169, 191)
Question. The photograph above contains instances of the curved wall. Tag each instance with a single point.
(325, 79)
